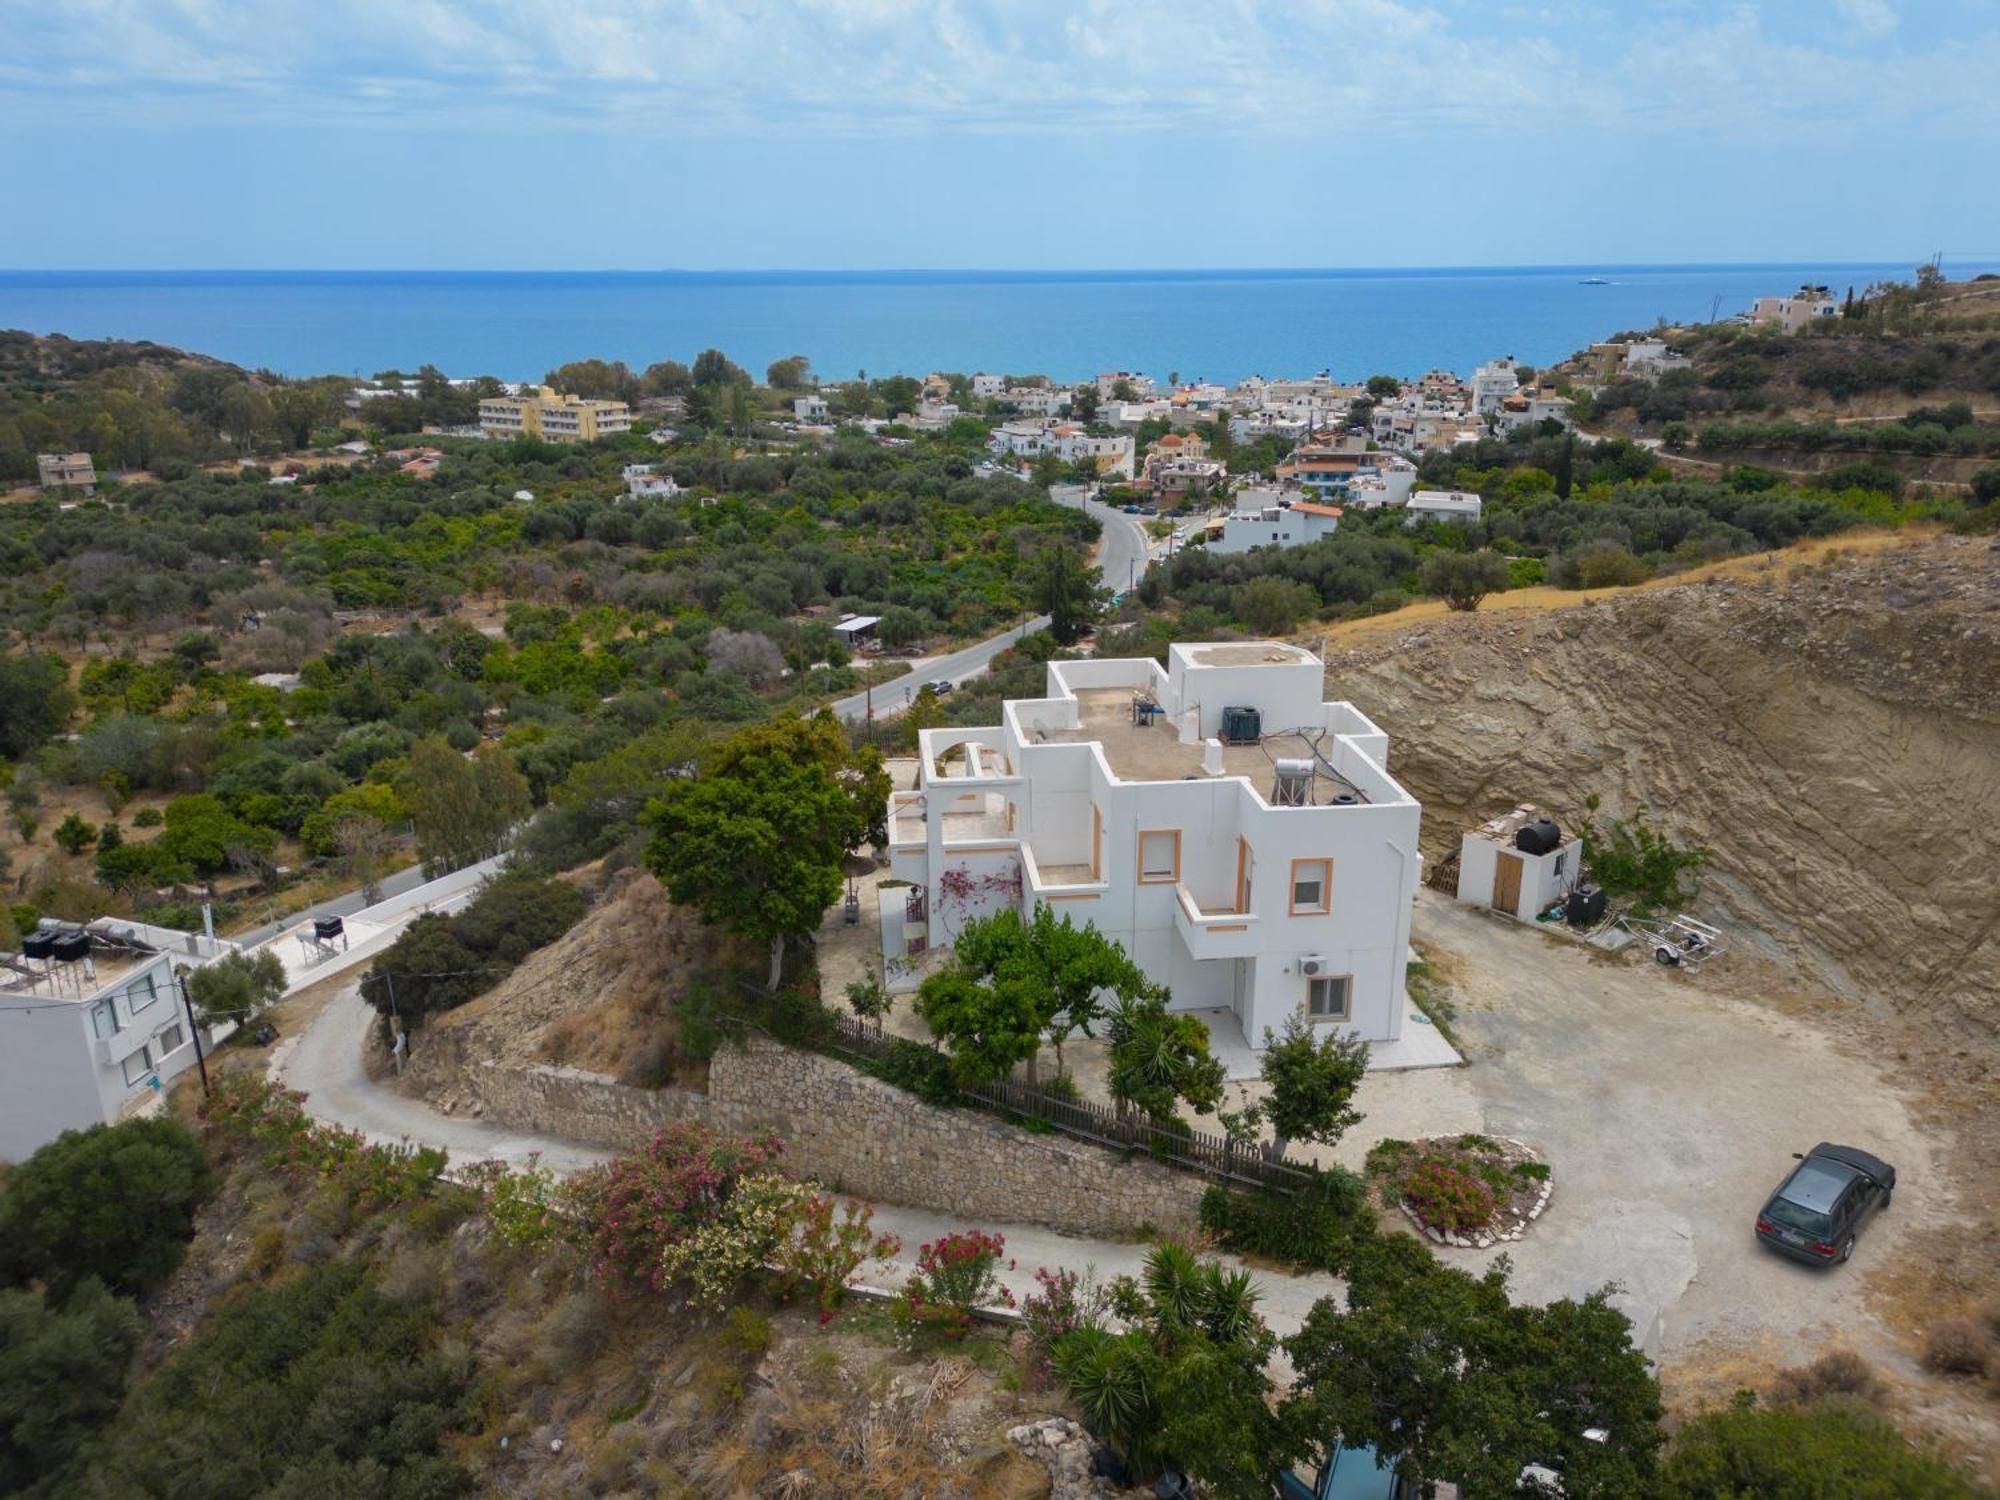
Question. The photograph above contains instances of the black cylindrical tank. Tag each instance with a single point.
(38, 945)
(71, 946)
(1538, 837)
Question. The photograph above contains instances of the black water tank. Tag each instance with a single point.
(1585, 905)
(38, 944)
(71, 946)
(1539, 837)
(327, 928)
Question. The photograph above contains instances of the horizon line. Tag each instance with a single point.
(1219, 270)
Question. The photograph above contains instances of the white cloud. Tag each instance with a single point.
(1323, 74)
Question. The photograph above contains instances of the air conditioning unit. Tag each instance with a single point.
(1312, 963)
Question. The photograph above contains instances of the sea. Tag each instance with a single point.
(1202, 325)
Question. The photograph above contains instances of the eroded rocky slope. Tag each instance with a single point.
(1831, 731)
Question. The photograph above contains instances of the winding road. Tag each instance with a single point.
(1123, 553)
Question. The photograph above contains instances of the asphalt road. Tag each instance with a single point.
(1122, 555)
(339, 906)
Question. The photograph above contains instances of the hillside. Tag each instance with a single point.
(1831, 732)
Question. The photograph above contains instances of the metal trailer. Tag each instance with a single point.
(1679, 943)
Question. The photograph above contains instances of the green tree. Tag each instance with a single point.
(236, 986)
(62, 1377)
(462, 807)
(1159, 1058)
(756, 842)
(712, 368)
(1774, 1453)
(1384, 387)
(35, 701)
(1310, 1075)
(426, 970)
(1071, 594)
(74, 835)
(792, 373)
(667, 378)
(1083, 405)
(1462, 579)
(1449, 1381)
(206, 836)
(1063, 970)
(115, 1202)
(898, 394)
(1187, 1383)
(989, 1029)
(1271, 605)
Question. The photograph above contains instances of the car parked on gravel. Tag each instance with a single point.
(1816, 1212)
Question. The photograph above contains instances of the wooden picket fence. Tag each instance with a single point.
(1213, 1156)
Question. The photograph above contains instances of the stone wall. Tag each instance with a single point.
(857, 1134)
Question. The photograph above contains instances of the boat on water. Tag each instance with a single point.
(1594, 281)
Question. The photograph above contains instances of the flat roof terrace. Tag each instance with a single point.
(1153, 751)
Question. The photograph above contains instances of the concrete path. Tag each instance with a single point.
(338, 906)
(325, 1063)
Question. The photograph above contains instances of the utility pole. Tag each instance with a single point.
(194, 1031)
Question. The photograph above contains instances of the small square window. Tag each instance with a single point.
(104, 1019)
(169, 1041)
(1326, 999)
(137, 1066)
(1312, 883)
(1159, 856)
(142, 994)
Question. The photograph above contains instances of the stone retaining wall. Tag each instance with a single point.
(858, 1134)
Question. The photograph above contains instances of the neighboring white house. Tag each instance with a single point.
(96, 1028)
(1021, 439)
(811, 408)
(641, 483)
(1141, 386)
(1239, 837)
(1443, 505)
(1293, 523)
(1040, 401)
(1803, 307)
(1492, 384)
(1648, 359)
(1521, 876)
(987, 385)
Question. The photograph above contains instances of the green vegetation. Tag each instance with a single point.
(237, 985)
(755, 843)
(1628, 857)
(1779, 1454)
(114, 1203)
(62, 1377)
(439, 962)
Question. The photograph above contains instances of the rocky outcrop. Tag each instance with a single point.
(1830, 731)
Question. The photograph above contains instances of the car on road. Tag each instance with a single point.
(939, 685)
(1130, 510)
(1819, 1209)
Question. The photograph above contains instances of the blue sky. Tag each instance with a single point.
(1038, 133)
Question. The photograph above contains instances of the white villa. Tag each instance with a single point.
(97, 1029)
(1242, 839)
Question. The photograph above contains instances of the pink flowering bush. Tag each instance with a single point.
(1445, 1198)
(824, 1249)
(954, 1275)
(636, 1207)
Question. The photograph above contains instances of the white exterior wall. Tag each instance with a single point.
(1064, 795)
(1290, 528)
(55, 1076)
(1545, 878)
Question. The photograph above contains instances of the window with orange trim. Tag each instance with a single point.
(1159, 856)
(1312, 887)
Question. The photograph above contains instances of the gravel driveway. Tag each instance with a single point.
(1667, 1115)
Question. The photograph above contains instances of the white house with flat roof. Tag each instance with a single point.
(1443, 505)
(1239, 836)
(94, 1026)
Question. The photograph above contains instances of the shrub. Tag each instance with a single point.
(115, 1201)
(1839, 1373)
(1317, 1226)
(635, 1206)
(746, 1331)
(1957, 1346)
(825, 1248)
(1445, 1198)
(62, 1377)
(717, 1255)
(954, 1275)
(1781, 1454)
(1628, 858)
(1607, 565)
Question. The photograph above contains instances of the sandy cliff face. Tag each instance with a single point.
(1831, 731)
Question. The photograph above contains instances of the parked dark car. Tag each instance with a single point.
(1817, 1211)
